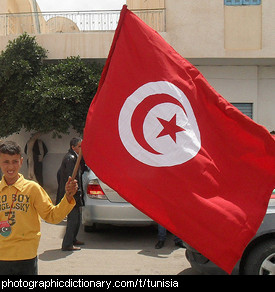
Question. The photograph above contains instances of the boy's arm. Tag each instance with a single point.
(55, 214)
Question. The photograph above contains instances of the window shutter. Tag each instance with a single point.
(228, 2)
(242, 2)
(245, 108)
(255, 2)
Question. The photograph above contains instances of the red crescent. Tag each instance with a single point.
(141, 112)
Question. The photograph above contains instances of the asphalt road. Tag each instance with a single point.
(110, 251)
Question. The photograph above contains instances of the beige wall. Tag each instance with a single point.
(208, 29)
(247, 84)
(145, 4)
(196, 29)
(87, 46)
(17, 25)
(15, 6)
(266, 97)
(243, 27)
(237, 84)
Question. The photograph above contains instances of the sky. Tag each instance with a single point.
(80, 5)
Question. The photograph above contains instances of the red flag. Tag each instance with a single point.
(167, 142)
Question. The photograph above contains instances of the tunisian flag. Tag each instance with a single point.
(167, 142)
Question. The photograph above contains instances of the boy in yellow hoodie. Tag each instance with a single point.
(22, 203)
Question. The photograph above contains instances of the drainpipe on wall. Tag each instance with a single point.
(36, 16)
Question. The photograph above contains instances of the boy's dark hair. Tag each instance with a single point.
(10, 147)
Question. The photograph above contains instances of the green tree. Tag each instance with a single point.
(40, 97)
(21, 61)
(60, 96)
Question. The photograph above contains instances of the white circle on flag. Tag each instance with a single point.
(167, 133)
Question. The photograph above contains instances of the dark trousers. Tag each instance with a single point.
(162, 234)
(24, 267)
(73, 224)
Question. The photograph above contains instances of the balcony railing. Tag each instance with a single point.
(69, 22)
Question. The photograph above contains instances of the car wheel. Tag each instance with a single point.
(261, 259)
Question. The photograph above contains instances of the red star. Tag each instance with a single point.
(170, 128)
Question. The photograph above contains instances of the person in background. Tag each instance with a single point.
(162, 237)
(70, 242)
(39, 152)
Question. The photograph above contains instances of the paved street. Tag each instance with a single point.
(111, 251)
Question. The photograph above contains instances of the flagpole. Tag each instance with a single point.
(77, 164)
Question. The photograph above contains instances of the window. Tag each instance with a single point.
(245, 108)
(242, 2)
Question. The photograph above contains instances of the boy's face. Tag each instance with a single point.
(10, 166)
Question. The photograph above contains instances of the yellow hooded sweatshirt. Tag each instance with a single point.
(21, 206)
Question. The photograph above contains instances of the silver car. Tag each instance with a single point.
(104, 206)
(258, 257)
